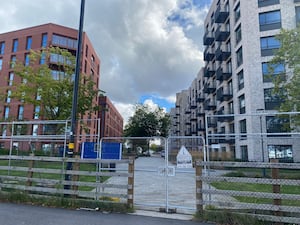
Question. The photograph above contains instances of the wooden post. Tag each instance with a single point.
(76, 167)
(276, 189)
(30, 172)
(199, 204)
(130, 189)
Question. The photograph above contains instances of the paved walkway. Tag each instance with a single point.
(150, 187)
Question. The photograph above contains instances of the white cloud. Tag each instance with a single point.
(141, 50)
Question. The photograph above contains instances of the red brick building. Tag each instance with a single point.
(16, 46)
(110, 119)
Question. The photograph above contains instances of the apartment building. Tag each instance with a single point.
(234, 89)
(111, 121)
(16, 46)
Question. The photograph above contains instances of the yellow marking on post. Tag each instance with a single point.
(71, 145)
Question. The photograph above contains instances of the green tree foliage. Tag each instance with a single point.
(147, 123)
(37, 85)
(289, 54)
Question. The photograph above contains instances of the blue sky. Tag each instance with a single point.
(156, 99)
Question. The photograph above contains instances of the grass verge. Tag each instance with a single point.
(62, 202)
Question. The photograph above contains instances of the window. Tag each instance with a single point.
(239, 56)
(43, 58)
(28, 43)
(242, 104)
(21, 112)
(2, 47)
(86, 50)
(238, 34)
(27, 59)
(6, 112)
(237, 12)
(268, 44)
(297, 14)
(10, 78)
(230, 108)
(4, 130)
(44, 40)
(270, 20)
(93, 61)
(240, 79)
(243, 128)
(36, 112)
(244, 153)
(282, 152)
(8, 99)
(57, 75)
(13, 61)
(35, 128)
(1, 63)
(277, 125)
(262, 3)
(269, 71)
(64, 41)
(38, 94)
(272, 100)
(15, 45)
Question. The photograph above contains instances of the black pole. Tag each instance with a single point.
(75, 93)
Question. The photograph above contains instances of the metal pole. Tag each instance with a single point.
(75, 92)
(262, 146)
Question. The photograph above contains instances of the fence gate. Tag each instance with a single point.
(164, 176)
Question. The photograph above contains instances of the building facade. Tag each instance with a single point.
(111, 121)
(16, 46)
(232, 96)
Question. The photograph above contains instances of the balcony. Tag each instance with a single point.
(188, 133)
(208, 55)
(211, 123)
(200, 113)
(224, 116)
(187, 111)
(221, 14)
(208, 38)
(224, 95)
(209, 88)
(227, 140)
(209, 105)
(222, 74)
(209, 72)
(193, 105)
(201, 128)
(222, 53)
(193, 118)
(221, 34)
(187, 122)
(200, 98)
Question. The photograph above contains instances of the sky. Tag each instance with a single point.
(149, 49)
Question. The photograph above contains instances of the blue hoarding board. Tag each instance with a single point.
(110, 150)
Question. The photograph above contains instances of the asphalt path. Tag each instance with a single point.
(12, 214)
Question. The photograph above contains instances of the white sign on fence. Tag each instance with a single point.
(184, 158)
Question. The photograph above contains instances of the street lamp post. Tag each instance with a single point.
(262, 142)
(75, 93)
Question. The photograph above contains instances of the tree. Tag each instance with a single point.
(52, 91)
(289, 55)
(147, 123)
(287, 83)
